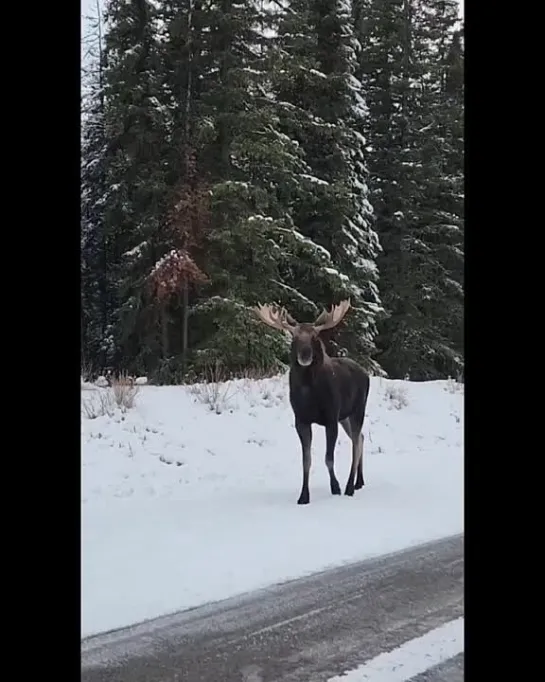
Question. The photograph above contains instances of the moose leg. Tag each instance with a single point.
(359, 477)
(331, 433)
(305, 436)
(356, 436)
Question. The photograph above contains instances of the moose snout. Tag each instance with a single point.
(304, 357)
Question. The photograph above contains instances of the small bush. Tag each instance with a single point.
(104, 401)
(124, 391)
(98, 404)
(397, 395)
(216, 391)
(454, 385)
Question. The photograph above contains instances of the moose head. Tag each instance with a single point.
(306, 346)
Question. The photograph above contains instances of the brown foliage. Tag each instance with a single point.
(173, 272)
(187, 222)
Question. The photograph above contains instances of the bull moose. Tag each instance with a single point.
(323, 390)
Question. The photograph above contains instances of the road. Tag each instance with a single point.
(307, 630)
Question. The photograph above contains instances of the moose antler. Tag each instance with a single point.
(275, 317)
(328, 319)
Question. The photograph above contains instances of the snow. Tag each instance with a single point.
(137, 250)
(315, 72)
(411, 658)
(305, 240)
(336, 273)
(296, 295)
(366, 265)
(259, 217)
(314, 179)
(190, 495)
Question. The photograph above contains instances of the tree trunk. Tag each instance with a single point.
(185, 319)
(164, 331)
(189, 93)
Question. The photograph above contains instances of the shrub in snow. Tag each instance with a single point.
(215, 391)
(98, 404)
(397, 395)
(121, 394)
(102, 382)
(124, 391)
(454, 386)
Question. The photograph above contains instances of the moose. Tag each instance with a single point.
(323, 390)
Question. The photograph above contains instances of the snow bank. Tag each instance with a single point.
(190, 496)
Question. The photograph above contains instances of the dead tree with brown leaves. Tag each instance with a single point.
(177, 271)
(323, 390)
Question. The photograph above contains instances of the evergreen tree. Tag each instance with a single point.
(136, 200)
(438, 180)
(324, 109)
(418, 201)
(224, 163)
(252, 251)
(96, 285)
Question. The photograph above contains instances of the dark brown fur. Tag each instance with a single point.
(325, 391)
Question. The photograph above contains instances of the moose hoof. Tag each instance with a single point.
(303, 498)
(335, 489)
(349, 492)
(359, 484)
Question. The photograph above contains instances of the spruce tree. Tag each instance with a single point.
(439, 186)
(251, 250)
(96, 275)
(324, 109)
(136, 203)
(225, 163)
(417, 199)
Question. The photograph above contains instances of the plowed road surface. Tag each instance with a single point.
(405, 608)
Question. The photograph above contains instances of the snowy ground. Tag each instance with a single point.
(182, 505)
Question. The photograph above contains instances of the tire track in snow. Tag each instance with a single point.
(310, 629)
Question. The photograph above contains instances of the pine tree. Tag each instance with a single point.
(176, 273)
(136, 201)
(324, 110)
(252, 251)
(96, 285)
(417, 200)
(225, 163)
(438, 180)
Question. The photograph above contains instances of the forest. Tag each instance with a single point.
(297, 152)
